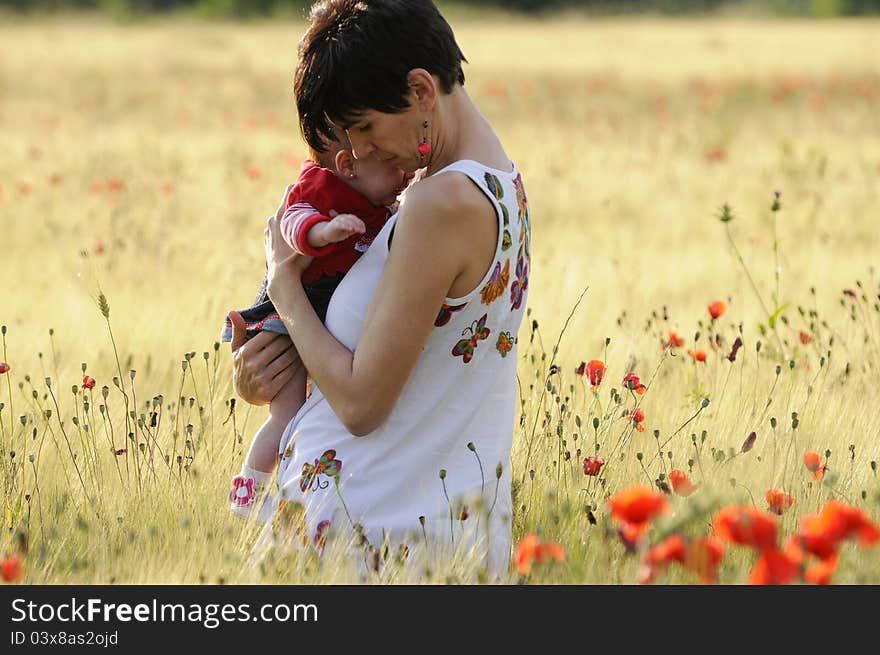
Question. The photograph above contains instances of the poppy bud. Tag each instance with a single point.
(776, 206)
(749, 442)
(737, 344)
(442, 474)
(498, 470)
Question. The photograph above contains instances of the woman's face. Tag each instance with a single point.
(391, 138)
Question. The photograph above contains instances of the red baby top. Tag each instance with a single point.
(317, 191)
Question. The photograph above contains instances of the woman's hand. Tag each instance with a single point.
(284, 265)
(261, 366)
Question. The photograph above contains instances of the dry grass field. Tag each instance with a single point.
(141, 161)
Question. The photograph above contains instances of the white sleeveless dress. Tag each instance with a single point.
(462, 391)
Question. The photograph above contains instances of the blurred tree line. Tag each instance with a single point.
(243, 8)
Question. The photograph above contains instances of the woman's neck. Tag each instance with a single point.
(462, 132)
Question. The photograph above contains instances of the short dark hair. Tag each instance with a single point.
(356, 54)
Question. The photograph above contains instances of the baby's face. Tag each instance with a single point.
(378, 181)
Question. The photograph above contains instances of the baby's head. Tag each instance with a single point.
(376, 180)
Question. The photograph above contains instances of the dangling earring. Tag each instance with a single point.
(424, 146)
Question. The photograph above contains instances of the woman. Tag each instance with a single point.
(406, 436)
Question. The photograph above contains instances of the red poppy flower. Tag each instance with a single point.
(595, 372)
(88, 382)
(814, 464)
(530, 550)
(717, 308)
(115, 184)
(637, 416)
(631, 534)
(778, 501)
(804, 337)
(4, 367)
(681, 484)
(704, 556)
(636, 505)
(820, 573)
(673, 340)
(254, 172)
(773, 566)
(793, 550)
(817, 537)
(592, 465)
(11, 569)
(820, 534)
(631, 382)
(715, 154)
(671, 549)
(698, 355)
(747, 526)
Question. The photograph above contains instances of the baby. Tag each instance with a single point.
(363, 192)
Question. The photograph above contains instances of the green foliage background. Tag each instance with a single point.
(245, 8)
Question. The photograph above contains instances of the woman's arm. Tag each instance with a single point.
(424, 261)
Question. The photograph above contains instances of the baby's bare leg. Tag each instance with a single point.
(263, 453)
(250, 485)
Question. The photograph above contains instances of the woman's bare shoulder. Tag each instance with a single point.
(450, 196)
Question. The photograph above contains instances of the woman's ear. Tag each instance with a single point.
(423, 86)
(345, 164)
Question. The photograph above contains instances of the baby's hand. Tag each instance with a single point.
(340, 228)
